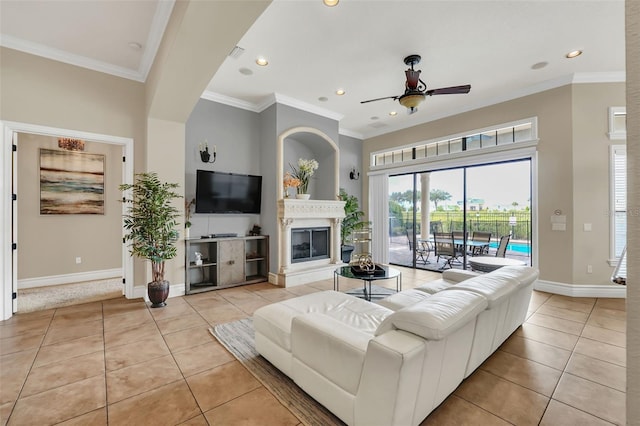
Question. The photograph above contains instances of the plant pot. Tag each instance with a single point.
(303, 196)
(346, 253)
(158, 291)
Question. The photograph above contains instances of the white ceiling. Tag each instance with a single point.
(358, 46)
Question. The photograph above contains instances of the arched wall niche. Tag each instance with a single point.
(308, 143)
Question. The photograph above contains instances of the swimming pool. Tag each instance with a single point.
(524, 248)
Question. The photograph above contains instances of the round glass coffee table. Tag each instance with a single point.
(383, 273)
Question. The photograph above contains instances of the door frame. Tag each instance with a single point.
(7, 266)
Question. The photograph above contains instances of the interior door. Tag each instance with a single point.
(14, 224)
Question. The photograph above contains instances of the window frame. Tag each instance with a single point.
(617, 153)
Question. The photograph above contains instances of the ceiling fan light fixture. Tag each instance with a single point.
(411, 100)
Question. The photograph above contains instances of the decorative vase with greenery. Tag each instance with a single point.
(151, 222)
(352, 221)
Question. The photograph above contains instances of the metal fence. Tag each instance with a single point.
(517, 224)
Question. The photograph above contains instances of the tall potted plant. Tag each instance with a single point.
(351, 222)
(151, 225)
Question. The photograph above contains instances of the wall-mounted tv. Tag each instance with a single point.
(218, 192)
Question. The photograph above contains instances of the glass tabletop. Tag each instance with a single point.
(347, 272)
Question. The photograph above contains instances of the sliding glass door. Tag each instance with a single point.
(475, 206)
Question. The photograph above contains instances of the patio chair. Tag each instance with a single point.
(423, 250)
(480, 238)
(502, 247)
(445, 247)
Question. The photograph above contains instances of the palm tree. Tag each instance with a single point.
(438, 195)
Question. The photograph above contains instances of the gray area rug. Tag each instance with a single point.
(238, 338)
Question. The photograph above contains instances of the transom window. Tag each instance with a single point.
(505, 134)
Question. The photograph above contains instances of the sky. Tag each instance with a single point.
(499, 185)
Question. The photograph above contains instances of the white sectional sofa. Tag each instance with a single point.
(392, 363)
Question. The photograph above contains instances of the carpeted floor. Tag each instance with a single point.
(238, 338)
(58, 296)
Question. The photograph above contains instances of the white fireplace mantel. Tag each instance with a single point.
(294, 213)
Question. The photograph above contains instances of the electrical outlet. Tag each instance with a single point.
(589, 269)
(78, 260)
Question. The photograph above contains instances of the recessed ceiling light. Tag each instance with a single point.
(574, 54)
(375, 117)
(330, 3)
(135, 45)
(340, 92)
(245, 71)
(539, 65)
(393, 113)
(323, 99)
(262, 61)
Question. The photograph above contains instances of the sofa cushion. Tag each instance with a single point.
(495, 287)
(405, 298)
(522, 275)
(432, 287)
(274, 321)
(437, 316)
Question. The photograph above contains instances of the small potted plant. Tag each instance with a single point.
(351, 222)
(151, 222)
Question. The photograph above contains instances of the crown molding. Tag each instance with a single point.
(304, 106)
(156, 32)
(228, 100)
(600, 77)
(351, 134)
(69, 58)
(270, 100)
(158, 25)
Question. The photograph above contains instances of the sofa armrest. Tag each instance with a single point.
(331, 348)
(392, 373)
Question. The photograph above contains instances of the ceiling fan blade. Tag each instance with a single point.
(379, 99)
(449, 90)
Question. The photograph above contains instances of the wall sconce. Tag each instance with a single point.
(205, 155)
(354, 174)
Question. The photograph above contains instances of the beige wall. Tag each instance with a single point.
(49, 93)
(556, 170)
(591, 178)
(49, 244)
(40, 91)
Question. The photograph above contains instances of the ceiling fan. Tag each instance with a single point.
(416, 89)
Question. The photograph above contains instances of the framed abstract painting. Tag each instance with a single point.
(71, 182)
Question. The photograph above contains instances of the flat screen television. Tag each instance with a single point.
(218, 192)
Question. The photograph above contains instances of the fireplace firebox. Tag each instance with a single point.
(310, 244)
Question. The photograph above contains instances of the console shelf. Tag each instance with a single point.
(227, 262)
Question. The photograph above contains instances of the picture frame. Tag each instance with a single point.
(71, 182)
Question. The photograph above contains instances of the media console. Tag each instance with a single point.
(227, 261)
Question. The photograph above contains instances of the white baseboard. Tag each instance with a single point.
(69, 278)
(582, 290)
(175, 290)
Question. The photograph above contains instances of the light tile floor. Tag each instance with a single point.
(119, 362)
